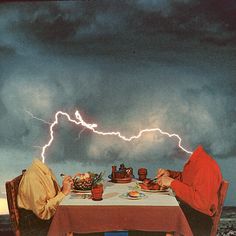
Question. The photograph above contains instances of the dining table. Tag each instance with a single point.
(157, 211)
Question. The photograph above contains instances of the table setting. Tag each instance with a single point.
(122, 202)
(120, 187)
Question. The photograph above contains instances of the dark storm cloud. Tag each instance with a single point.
(91, 27)
(6, 52)
(126, 65)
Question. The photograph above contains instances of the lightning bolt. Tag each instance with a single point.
(37, 117)
(80, 134)
(93, 127)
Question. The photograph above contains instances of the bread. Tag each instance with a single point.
(134, 193)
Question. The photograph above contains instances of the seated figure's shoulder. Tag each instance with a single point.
(31, 174)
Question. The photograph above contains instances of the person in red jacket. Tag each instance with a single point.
(196, 188)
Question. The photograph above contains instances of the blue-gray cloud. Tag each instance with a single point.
(126, 65)
(89, 27)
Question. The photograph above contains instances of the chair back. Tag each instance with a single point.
(12, 191)
(221, 196)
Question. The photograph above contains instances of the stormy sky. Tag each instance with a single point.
(127, 66)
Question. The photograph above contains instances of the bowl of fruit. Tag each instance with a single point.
(85, 181)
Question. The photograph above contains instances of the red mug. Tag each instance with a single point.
(142, 173)
(97, 191)
(113, 173)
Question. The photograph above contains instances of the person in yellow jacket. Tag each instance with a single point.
(38, 197)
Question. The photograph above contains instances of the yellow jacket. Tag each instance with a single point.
(39, 191)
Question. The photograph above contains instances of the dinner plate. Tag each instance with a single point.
(110, 177)
(121, 180)
(155, 190)
(126, 196)
(80, 191)
(152, 190)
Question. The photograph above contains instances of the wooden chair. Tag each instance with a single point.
(222, 195)
(12, 191)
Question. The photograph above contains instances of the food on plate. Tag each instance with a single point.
(121, 175)
(147, 181)
(122, 172)
(149, 184)
(85, 181)
(133, 193)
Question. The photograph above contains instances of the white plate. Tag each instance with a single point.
(126, 196)
(151, 190)
(80, 191)
(155, 191)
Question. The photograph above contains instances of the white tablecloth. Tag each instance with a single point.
(112, 196)
(156, 212)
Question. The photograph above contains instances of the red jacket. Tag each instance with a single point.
(199, 182)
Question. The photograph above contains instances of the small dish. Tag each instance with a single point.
(155, 191)
(110, 177)
(127, 196)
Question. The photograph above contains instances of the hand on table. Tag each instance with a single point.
(67, 184)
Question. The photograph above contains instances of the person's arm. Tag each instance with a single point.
(175, 174)
(169, 173)
(41, 204)
(200, 194)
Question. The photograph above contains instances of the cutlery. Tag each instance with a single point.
(154, 180)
